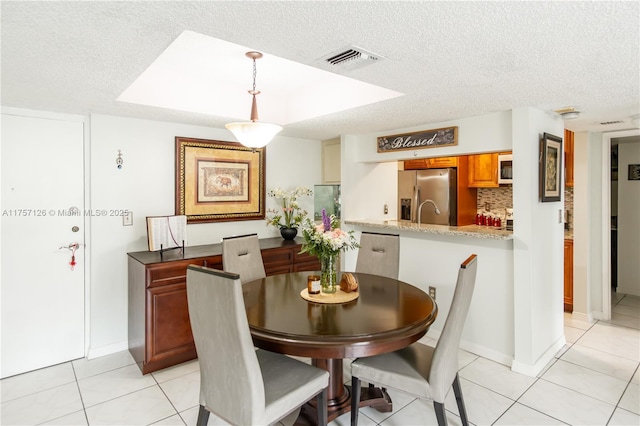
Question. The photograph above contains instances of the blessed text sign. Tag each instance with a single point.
(447, 136)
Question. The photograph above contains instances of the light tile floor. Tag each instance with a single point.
(593, 380)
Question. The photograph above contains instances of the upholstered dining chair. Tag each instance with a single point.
(379, 254)
(238, 383)
(241, 255)
(421, 370)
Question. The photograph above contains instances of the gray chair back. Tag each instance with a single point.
(231, 382)
(379, 254)
(241, 255)
(444, 364)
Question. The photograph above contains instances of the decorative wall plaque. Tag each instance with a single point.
(447, 136)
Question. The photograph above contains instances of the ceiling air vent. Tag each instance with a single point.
(608, 123)
(350, 58)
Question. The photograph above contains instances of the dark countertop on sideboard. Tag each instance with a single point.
(194, 252)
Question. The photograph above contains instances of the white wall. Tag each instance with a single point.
(538, 248)
(484, 133)
(628, 222)
(146, 186)
(581, 226)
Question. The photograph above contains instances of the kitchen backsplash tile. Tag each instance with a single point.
(568, 206)
(495, 200)
(499, 199)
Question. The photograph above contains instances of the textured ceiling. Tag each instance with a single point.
(452, 59)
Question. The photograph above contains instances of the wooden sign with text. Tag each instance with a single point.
(447, 136)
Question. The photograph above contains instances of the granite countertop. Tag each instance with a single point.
(473, 231)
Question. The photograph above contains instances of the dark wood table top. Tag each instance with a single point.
(388, 315)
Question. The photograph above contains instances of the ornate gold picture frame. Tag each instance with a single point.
(219, 181)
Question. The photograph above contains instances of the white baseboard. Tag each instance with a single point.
(483, 351)
(579, 316)
(535, 369)
(474, 348)
(107, 350)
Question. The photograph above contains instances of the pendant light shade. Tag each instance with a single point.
(253, 134)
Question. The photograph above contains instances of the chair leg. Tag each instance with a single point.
(457, 390)
(203, 416)
(321, 404)
(440, 414)
(355, 399)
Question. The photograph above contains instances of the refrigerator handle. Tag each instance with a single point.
(415, 201)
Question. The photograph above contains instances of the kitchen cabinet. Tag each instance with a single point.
(431, 163)
(483, 170)
(568, 275)
(159, 327)
(568, 157)
(331, 159)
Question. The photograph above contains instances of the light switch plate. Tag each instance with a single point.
(127, 219)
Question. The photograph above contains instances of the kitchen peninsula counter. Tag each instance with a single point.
(472, 231)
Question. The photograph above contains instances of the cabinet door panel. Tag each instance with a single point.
(483, 170)
(442, 162)
(568, 157)
(568, 275)
(415, 164)
(274, 257)
(169, 330)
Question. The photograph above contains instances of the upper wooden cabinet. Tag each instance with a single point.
(483, 170)
(431, 163)
(331, 161)
(568, 157)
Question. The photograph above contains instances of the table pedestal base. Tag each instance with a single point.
(339, 396)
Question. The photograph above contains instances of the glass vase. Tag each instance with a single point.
(328, 274)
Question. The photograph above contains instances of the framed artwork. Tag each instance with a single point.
(550, 168)
(219, 181)
(433, 138)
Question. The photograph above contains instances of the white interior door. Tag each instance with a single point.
(42, 295)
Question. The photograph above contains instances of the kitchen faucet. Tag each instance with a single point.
(422, 204)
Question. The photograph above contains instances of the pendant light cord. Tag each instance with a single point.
(254, 75)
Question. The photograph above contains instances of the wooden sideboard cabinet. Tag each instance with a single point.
(159, 328)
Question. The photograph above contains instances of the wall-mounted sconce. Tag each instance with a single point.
(119, 160)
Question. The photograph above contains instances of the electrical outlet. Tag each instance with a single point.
(432, 292)
(127, 219)
(386, 209)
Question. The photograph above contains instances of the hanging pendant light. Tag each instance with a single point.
(253, 134)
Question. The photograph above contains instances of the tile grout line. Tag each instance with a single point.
(84, 408)
(168, 399)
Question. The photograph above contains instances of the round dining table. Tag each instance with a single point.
(387, 315)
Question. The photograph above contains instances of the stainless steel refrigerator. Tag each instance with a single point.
(416, 187)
